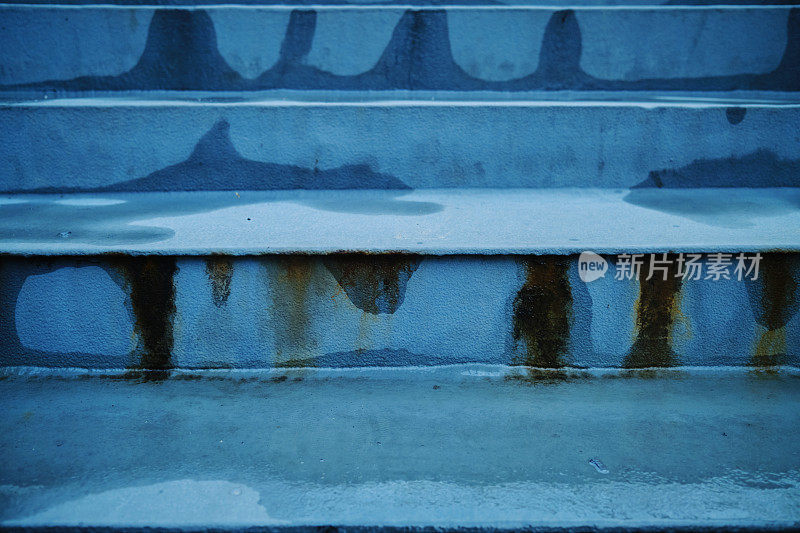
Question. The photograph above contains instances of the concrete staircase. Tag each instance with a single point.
(249, 209)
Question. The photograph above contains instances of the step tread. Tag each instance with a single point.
(425, 221)
(396, 98)
(457, 446)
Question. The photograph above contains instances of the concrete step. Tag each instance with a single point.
(56, 49)
(353, 310)
(153, 144)
(469, 446)
(422, 222)
(371, 278)
(313, 4)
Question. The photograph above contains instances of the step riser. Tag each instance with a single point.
(258, 147)
(387, 310)
(67, 49)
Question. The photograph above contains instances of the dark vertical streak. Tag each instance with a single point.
(656, 311)
(291, 316)
(220, 272)
(774, 300)
(152, 295)
(543, 312)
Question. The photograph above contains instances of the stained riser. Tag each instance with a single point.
(453, 49)
(387, 310)
(92, 145)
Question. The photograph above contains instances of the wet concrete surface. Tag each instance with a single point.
(446, 446)
(432, 221)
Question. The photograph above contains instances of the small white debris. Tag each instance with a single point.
(65, 234)
(598, 465)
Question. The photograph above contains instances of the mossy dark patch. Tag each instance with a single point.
(540, 376)
(220, 272)
(657, 308)
(543, 312)
(152, 295)
(646, 373)
(375, 283)
(773, 298)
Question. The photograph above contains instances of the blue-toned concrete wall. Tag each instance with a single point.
(92, 146)
(455, 49)
(386, 310)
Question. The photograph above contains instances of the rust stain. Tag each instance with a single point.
(547, 376)
(657, 310)
(291, 315)
(364, 340)
(770, 348)
(373, 283)
(543, 312)
(775, 304)
(150, 281)
(220, 272)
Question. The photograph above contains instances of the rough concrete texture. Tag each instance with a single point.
(380, 48)
(434, 222)
(461, 446)
(111, 144)
(353, 310)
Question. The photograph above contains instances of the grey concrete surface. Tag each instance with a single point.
(435, 222)
(446, 446)
(101, 144)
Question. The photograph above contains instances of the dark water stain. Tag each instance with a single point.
(216, 165)
(672, 190)
(15, 270)
(657, 309)
(417, 56)
(739, 210)
(735, 114)
(181, 53)
(48, 219)
(151, 287)
(44, 220)
(220, 272)
(375, 283)
(290, 279)
(543, 312)
(761, 168)
(774, 300)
